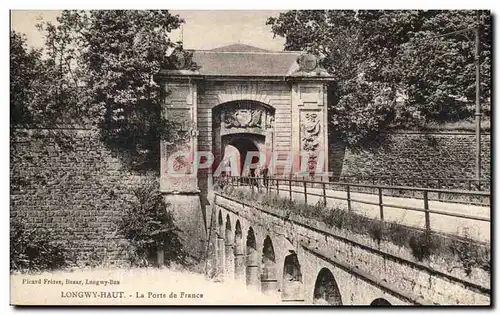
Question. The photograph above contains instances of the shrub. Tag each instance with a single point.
(34, 249)
(149, 226)
(422, 245)
(471, 254)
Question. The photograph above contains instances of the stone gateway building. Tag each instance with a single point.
(255, 100)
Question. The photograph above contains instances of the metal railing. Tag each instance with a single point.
(397, 188)
(286, 185)
(429, 182)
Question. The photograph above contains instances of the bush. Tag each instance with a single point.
(149, 226)
(471, 254)
(423, 245)
(34, 249)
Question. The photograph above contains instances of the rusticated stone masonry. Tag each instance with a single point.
(408, 155)
(69, 182)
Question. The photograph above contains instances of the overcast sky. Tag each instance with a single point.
(202, 30)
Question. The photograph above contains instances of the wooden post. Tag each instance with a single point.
(305, 192)
(160, 255)
(324, 194)
(439, 187)
(277, 187)
(426, 208)
(477, 62)
(380, 204)
(348, 198)
(290, 187)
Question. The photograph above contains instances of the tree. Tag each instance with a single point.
(122, 57)
(101, 66)
(24, 76)
(391, 70)
(149, 226)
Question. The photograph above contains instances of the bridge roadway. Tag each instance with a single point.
(477, 230)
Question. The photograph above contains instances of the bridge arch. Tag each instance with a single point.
(326, 290)
(252, 264)
(268, 276)
(239, 253)
(293, 289)
(380, 302)
(228, 250)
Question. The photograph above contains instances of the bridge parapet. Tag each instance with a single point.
(338, 267)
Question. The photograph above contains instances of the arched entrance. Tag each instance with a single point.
(239, 253)
(240, 127)
(292, 280)
(326, 291)
(269, 281)
(252, 270)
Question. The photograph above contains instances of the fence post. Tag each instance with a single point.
(348, 198)
(426, 208)
(324, 194)
(380, 204)
(290, 187)
(439, 187)
(469, 184)
(305, 192)
(277, 187)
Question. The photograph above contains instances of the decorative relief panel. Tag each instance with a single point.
(180, 115)
(310, 137)
(243, 117)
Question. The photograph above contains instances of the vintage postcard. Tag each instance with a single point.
(317, 157)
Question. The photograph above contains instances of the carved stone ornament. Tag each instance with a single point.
(311, 128)
(181, 59)
(307, 62)
(270, 122)
(243, 118)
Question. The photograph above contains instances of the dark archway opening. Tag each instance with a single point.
(236, 150)
(252, 270)
(268, 278)
(380, 302)
(292, 280)
(326, 290)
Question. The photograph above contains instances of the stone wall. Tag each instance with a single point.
(409, 155)
(66, 180)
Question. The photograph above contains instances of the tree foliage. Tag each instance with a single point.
(26, 81)
(97, 69)
(392, 68)
(149, 225)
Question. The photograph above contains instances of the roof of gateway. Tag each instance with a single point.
(244, 60)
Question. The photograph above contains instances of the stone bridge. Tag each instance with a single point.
(300, 261)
